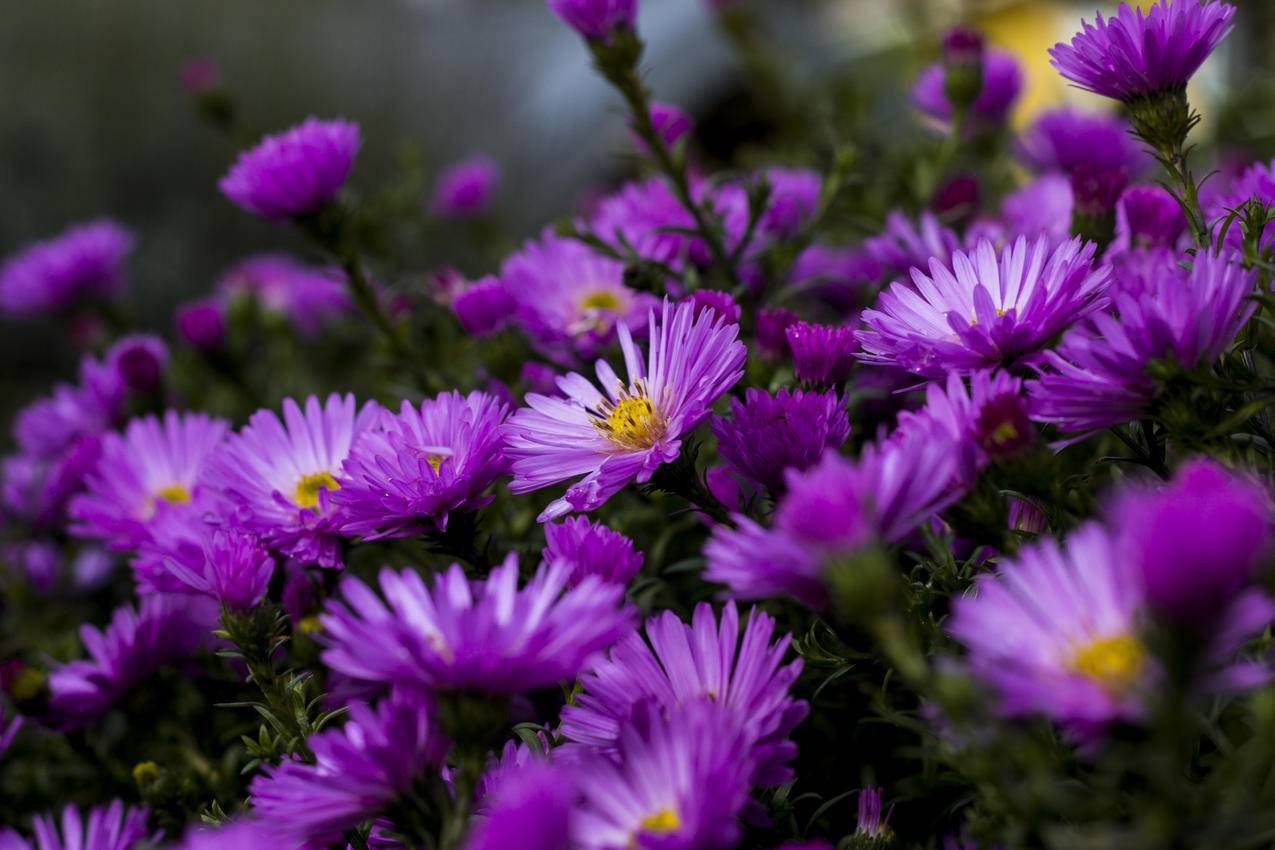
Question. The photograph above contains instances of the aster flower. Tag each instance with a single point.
(794, 195)
(904, 244)
(772, 330)
(670, 123)
(569, 299)
(307, 296)
(528, 807)
(242, 833)
(1148, 217)
(152, 466)
(983, 312)
(596, 19)
(37, 489)
(1065, 139)
(358, 770)
(140, 360)
(278, 476)
(1042, 208)
(870, 824)
(466, 188)
(678, 664)
(48, 427)
(1002, 82)
(821, 354)
(677, 784)
(1136, 54)
(202, 323)
(295, 173)
(85, 260)
(227, 565)
(768, 434)
(1098, 377)
(484, 306)
(634, 428)
(1257, 182)
(591, 549)
(35, 563)
(716, 301)
(486, 636)
(409, 474)
(162, 629)
(111, 827)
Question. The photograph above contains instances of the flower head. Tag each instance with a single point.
(984, 312)
(202, 323)
(1099, 378)
(295, 173)
(905, 244)
(794, 195)
(227, 565)
(1002, 82)
(411, 472)
(596, 19)
(278, 475)
(140, 360)
(1067, 138)
(1135, 54)
(528, 808)
(307, 296)
(1148, 217)
(870, 823)
(631, 429)
(486, 635)
(358, 770)
(484, 306)
(821, 354)
(1256, 183)
(111, 827)
(591, 549)
(767, 435)
(1041, 208)
(679, 664)
(772, 330)
(85, 260)
(466, 188)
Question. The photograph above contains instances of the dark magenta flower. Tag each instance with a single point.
(716, 301)
(294, 173)
(84, 261)
(772, 330)
(227, 565)
(1148, 217)
(1257, 183)
(111, 827)
(202, 323)
(484, 306)
(671, 124)
(528, 808)
(466, 189)
(1066, 138)
(591, 549)
(821, 354)
(140, 361)
(1002, 82)
(769, 434)
(596, 19)
(794, 195)
(307, 296)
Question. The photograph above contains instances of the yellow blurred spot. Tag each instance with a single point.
(175, 493)
(663, 821)
(1112, 662)
(27, 684)
(145, 772)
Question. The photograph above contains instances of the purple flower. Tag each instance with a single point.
(677, 783)
(1042, 208)
(295, 173)
(38, 563)
(137, 642)
(242, 833)
(1258, 183)
(111, 827)
(591, 549)
(484, 306)
(569, 299)
(465, 189)
(904, 245)
(1198, 540)
(307, 296)
(486, 635)
(407, 475)
(46, 428)
(837, 275)
(528, 808)
(716, 301)
(278, 475)
(821, 354)
(1002, 81)
(981, 312)
(140, 360)
(634, 428)
(794, 195)
(772, 330)
(671, 124)
(1148, 217)
(767, 435)
(596, 19)
(227, 565)
(153, 466)
(37, 489)
(1066, 138)
(678, 664)
(358, 770)
(870, 823)
(200, 75)
(1098, 377)
(84, 261)
(202, 323)
(1135, 54)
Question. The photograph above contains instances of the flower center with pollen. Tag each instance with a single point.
(175, 493)
(601, 300)
(632, 422)
(1112, 662)
(307, 492)
(662, 822)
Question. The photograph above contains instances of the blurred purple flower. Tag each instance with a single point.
(295, 173)
(85, 260)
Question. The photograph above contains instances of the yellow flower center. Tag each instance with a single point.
(632, 422)
(307, 492)
(1004, 434)
(662, 822)
(434, 461)
(601, 300)
(1112, 662)
(174, 493)
(310, 625)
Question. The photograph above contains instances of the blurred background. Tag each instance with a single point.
(96, 122)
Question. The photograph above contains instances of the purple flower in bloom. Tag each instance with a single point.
(466, 188)
(635, 427)
(671, 124)
(407, 475)
(48, 427)
(202, 323)
(1042, 208)
(307, 296)
(904, 245)
(772, 330)
(678, 664)
(111, 827)
(153, 466)
(1135, 54)
(358, 770)
(37, 489)
(243, 833)
(595, 19)
(1066, 138)
(821, 354)
(484, 635)
(1148, 217)
(569, 299)
(870, 824)
(837, 275)
(794, 195)
(295, 173)
(1098, 377)
(1258, 183)
(1002, 81)
(716, 301)
(983, 312)
(227, 565)
(85, 260)
(767, 435)
(591, 549)
(137, 642)
(1197, 541)
(677, 783)
(484, 306)
(278, 476)
(528, 808)
(140, 361)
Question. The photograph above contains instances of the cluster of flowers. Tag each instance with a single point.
(1089, 302)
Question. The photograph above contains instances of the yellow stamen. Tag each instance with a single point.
(662, 822)
(145, 772)
(307, 492)
(1004, 433)
(1112, 662)
(174, 493)
(602, 300)
(309, 625)
(632, 422)
(435, 461)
